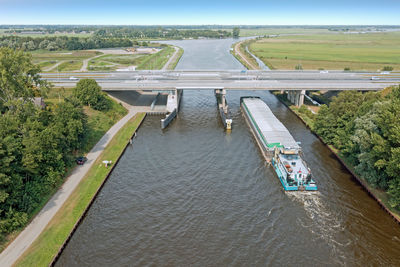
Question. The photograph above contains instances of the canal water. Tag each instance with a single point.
(195, 195)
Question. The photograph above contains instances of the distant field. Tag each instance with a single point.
(70, 60)
(370, 51)
(41, 55)
(272, 31)
(73, 60)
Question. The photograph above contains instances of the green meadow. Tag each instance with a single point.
(370, 51)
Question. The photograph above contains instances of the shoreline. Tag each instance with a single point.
(50, 243)
(89, 205)
(359, 179)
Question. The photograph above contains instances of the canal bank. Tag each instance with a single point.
(48, 246)
(373, 192)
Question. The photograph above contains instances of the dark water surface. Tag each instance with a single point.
(194, 195)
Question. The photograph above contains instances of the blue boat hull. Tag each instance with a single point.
(284, 183)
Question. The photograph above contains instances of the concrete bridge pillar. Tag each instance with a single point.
(301, 98)
(296, 97)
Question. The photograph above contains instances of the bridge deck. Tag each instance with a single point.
(234, 80)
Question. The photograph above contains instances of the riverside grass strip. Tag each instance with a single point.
(55, 236)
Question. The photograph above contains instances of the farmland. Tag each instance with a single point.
(371, 51)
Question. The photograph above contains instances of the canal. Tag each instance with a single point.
(195, 195)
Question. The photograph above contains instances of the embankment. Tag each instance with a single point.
(374, 193)
(48, 246)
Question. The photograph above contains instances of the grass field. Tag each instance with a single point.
(50, 240)
(112, 62)
(276, 30)
(73, 59)
(70, 65)
(100, 121)
(157, 60)
(370, 51)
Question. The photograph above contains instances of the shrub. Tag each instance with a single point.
(387, 68)
(89, 93)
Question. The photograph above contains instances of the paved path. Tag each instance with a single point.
(261, 64)
(54, 66)
(33, 230)
(171, 59)
(86, 62)
(238, 52)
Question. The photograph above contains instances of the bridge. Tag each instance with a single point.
(173, 82)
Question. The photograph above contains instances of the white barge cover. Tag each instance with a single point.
(270, 127)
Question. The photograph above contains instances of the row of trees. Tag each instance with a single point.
(62, 42)
(159, 32)
(365, 127)
(36, 144)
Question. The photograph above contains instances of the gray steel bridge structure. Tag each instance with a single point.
(173, 82)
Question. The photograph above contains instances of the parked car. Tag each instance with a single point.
(81, 160)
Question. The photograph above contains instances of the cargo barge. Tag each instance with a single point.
(277, 145)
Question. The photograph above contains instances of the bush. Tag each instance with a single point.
(89, 93)
(346, 69)
(304, 110)
(298, 67)
(387, 68)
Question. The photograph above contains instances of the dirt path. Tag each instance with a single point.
(171, 58)
(33, 230)
(54, 66)
(243, 57)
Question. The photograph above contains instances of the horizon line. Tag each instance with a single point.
(265, 25)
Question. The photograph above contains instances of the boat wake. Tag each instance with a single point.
(323, 223)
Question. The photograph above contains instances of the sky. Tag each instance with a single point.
(200, 12)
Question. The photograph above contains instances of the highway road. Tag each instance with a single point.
(233, 80)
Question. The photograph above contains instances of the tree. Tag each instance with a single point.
(19, 78)
(324, 124)
(36, 145)
(43, 44)
(236, 32)
(298, 67)
(52, 46)
(394, 193)
(387, 68)
(89, 93)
